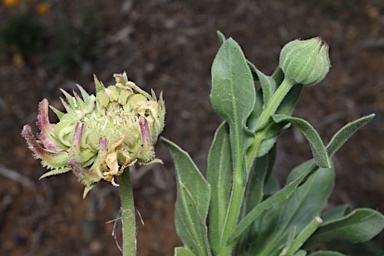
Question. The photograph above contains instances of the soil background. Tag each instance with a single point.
(169, 46)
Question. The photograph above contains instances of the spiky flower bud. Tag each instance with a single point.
(99, 136)
(305, 61)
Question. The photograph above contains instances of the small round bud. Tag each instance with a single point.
(305, 61)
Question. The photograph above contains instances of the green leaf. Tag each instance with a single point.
(298, 211)
(233, 92)
(267, 83)
(289, 241)
(265, 146)
(336, 142)
(271, 186)
(182, 251)
(258, 177)
(304, 235)
(335, 213)
(318, 149)
(288, 104)
(299, 170)
(233, 96)
(253, 69)
(346, 132)
(281, 195)
(256, 111)
(273, 130)
(327, 253)
(358, 226)
(193, 196)
(219, 175)
(278, 75)
(221, 36)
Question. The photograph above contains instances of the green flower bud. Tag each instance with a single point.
(97, 137)
(305, 61)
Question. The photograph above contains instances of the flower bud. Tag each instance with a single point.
(305, 61)
(98, 136)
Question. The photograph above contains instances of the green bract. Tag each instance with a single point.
(99, 136)
(305, 61)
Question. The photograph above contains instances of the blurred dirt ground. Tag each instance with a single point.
(169, 46)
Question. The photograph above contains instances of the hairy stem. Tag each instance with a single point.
(265, 116)
(275, 101)
(236, 200)
(127, 214)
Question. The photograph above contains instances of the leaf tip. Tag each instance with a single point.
(221, 36)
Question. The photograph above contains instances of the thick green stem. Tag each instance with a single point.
(236, 200)
(127, 214)
(275, 101)
(261, 130)
(265, 116)
(304, 235)
(239, 181)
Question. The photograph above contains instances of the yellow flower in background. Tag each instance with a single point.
(43, 8)
(11, 3)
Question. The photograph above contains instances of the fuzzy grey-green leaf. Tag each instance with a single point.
(279, 196)
(193, 196)
(301, 209)
(358, 226)
(219, 176)
(318, 149)
(346, 132)
(233, 94)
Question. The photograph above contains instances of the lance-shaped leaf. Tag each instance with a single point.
(346, 132)
(256, 111)
(278, 75)
(272, 130)
(335, 213)
(338, 139)
(336, 142)
(221, 36)
(219, 176)
(281, 195)
(358, 226)
(318, 149)
(300, 211)
(233, 95)
(267, 83)
(258, 177)
(193, 195)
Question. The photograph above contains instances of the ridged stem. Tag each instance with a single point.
(127, 214)
(265, 116)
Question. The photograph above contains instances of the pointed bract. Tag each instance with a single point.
(99, 136)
